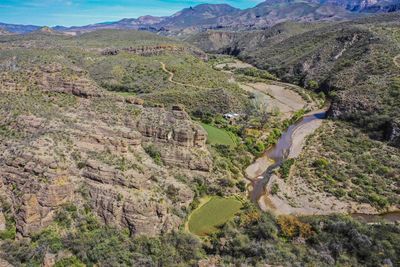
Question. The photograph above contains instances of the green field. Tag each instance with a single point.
(218, 136)
(217, 211)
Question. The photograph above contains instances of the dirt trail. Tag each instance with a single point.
(171, 79)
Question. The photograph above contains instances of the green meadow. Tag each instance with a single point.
(215, 212)
(218, 136)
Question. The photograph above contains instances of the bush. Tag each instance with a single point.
(292, 227)
(49, 240)
(321, 163)
(69, 262)
(285, 168)
(312, 84)
(275, 189)
(153, 152)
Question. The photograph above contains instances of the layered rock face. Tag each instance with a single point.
(182, 139)
(92, 151)
(50, 77)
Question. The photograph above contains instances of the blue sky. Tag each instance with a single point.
(82, 12)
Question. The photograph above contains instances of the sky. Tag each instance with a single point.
(84, 12)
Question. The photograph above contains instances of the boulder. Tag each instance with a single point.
(2, 222)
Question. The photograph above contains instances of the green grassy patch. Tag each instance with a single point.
(212, 214)
(218, 136)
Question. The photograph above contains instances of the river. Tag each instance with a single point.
(280, 152)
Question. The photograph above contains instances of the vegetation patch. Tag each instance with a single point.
(216, 212)
(285, 168)
(344, 162)
(153, 152)
(218, 136)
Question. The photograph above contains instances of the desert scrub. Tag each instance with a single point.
(257, 73)
(346, 163)
(6, 132)
(119, 162)
(10, 231)
(154, 153)
(34, 101)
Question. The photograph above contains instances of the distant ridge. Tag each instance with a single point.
(16, 28)
(4, 32)
(217, 16)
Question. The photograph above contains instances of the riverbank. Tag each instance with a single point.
(289, 145)
(322, 181)
(294, 195)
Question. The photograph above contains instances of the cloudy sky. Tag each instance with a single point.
(82, 12)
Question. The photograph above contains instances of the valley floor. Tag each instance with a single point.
(295, 194)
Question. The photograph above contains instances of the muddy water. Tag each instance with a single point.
(278, 153)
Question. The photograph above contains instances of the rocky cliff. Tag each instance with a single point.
(66, 141)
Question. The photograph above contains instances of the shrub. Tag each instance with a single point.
(285, 168)
(68, 262)
(49, 239)
(153, 152)
(291, 227)
(321, 163)
(312, 84)
(275, 189)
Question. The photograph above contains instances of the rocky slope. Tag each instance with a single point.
(64, 140)
(76, 154)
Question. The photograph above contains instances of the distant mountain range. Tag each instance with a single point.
(215, 16)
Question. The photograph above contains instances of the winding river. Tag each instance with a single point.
(280, 152)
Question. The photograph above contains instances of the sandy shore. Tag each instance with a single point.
(299, 137)
(258, 167)
(277, 97)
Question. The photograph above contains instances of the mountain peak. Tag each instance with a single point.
(212, 9)
(49, 31)
(46, 29)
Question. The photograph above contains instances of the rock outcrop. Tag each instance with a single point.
(393, 133)
(2, 222)
(51, 78)
(63, 156)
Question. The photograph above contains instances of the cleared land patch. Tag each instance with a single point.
(277, 97)
(237, 64)
(218, 136)
(217, 211)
